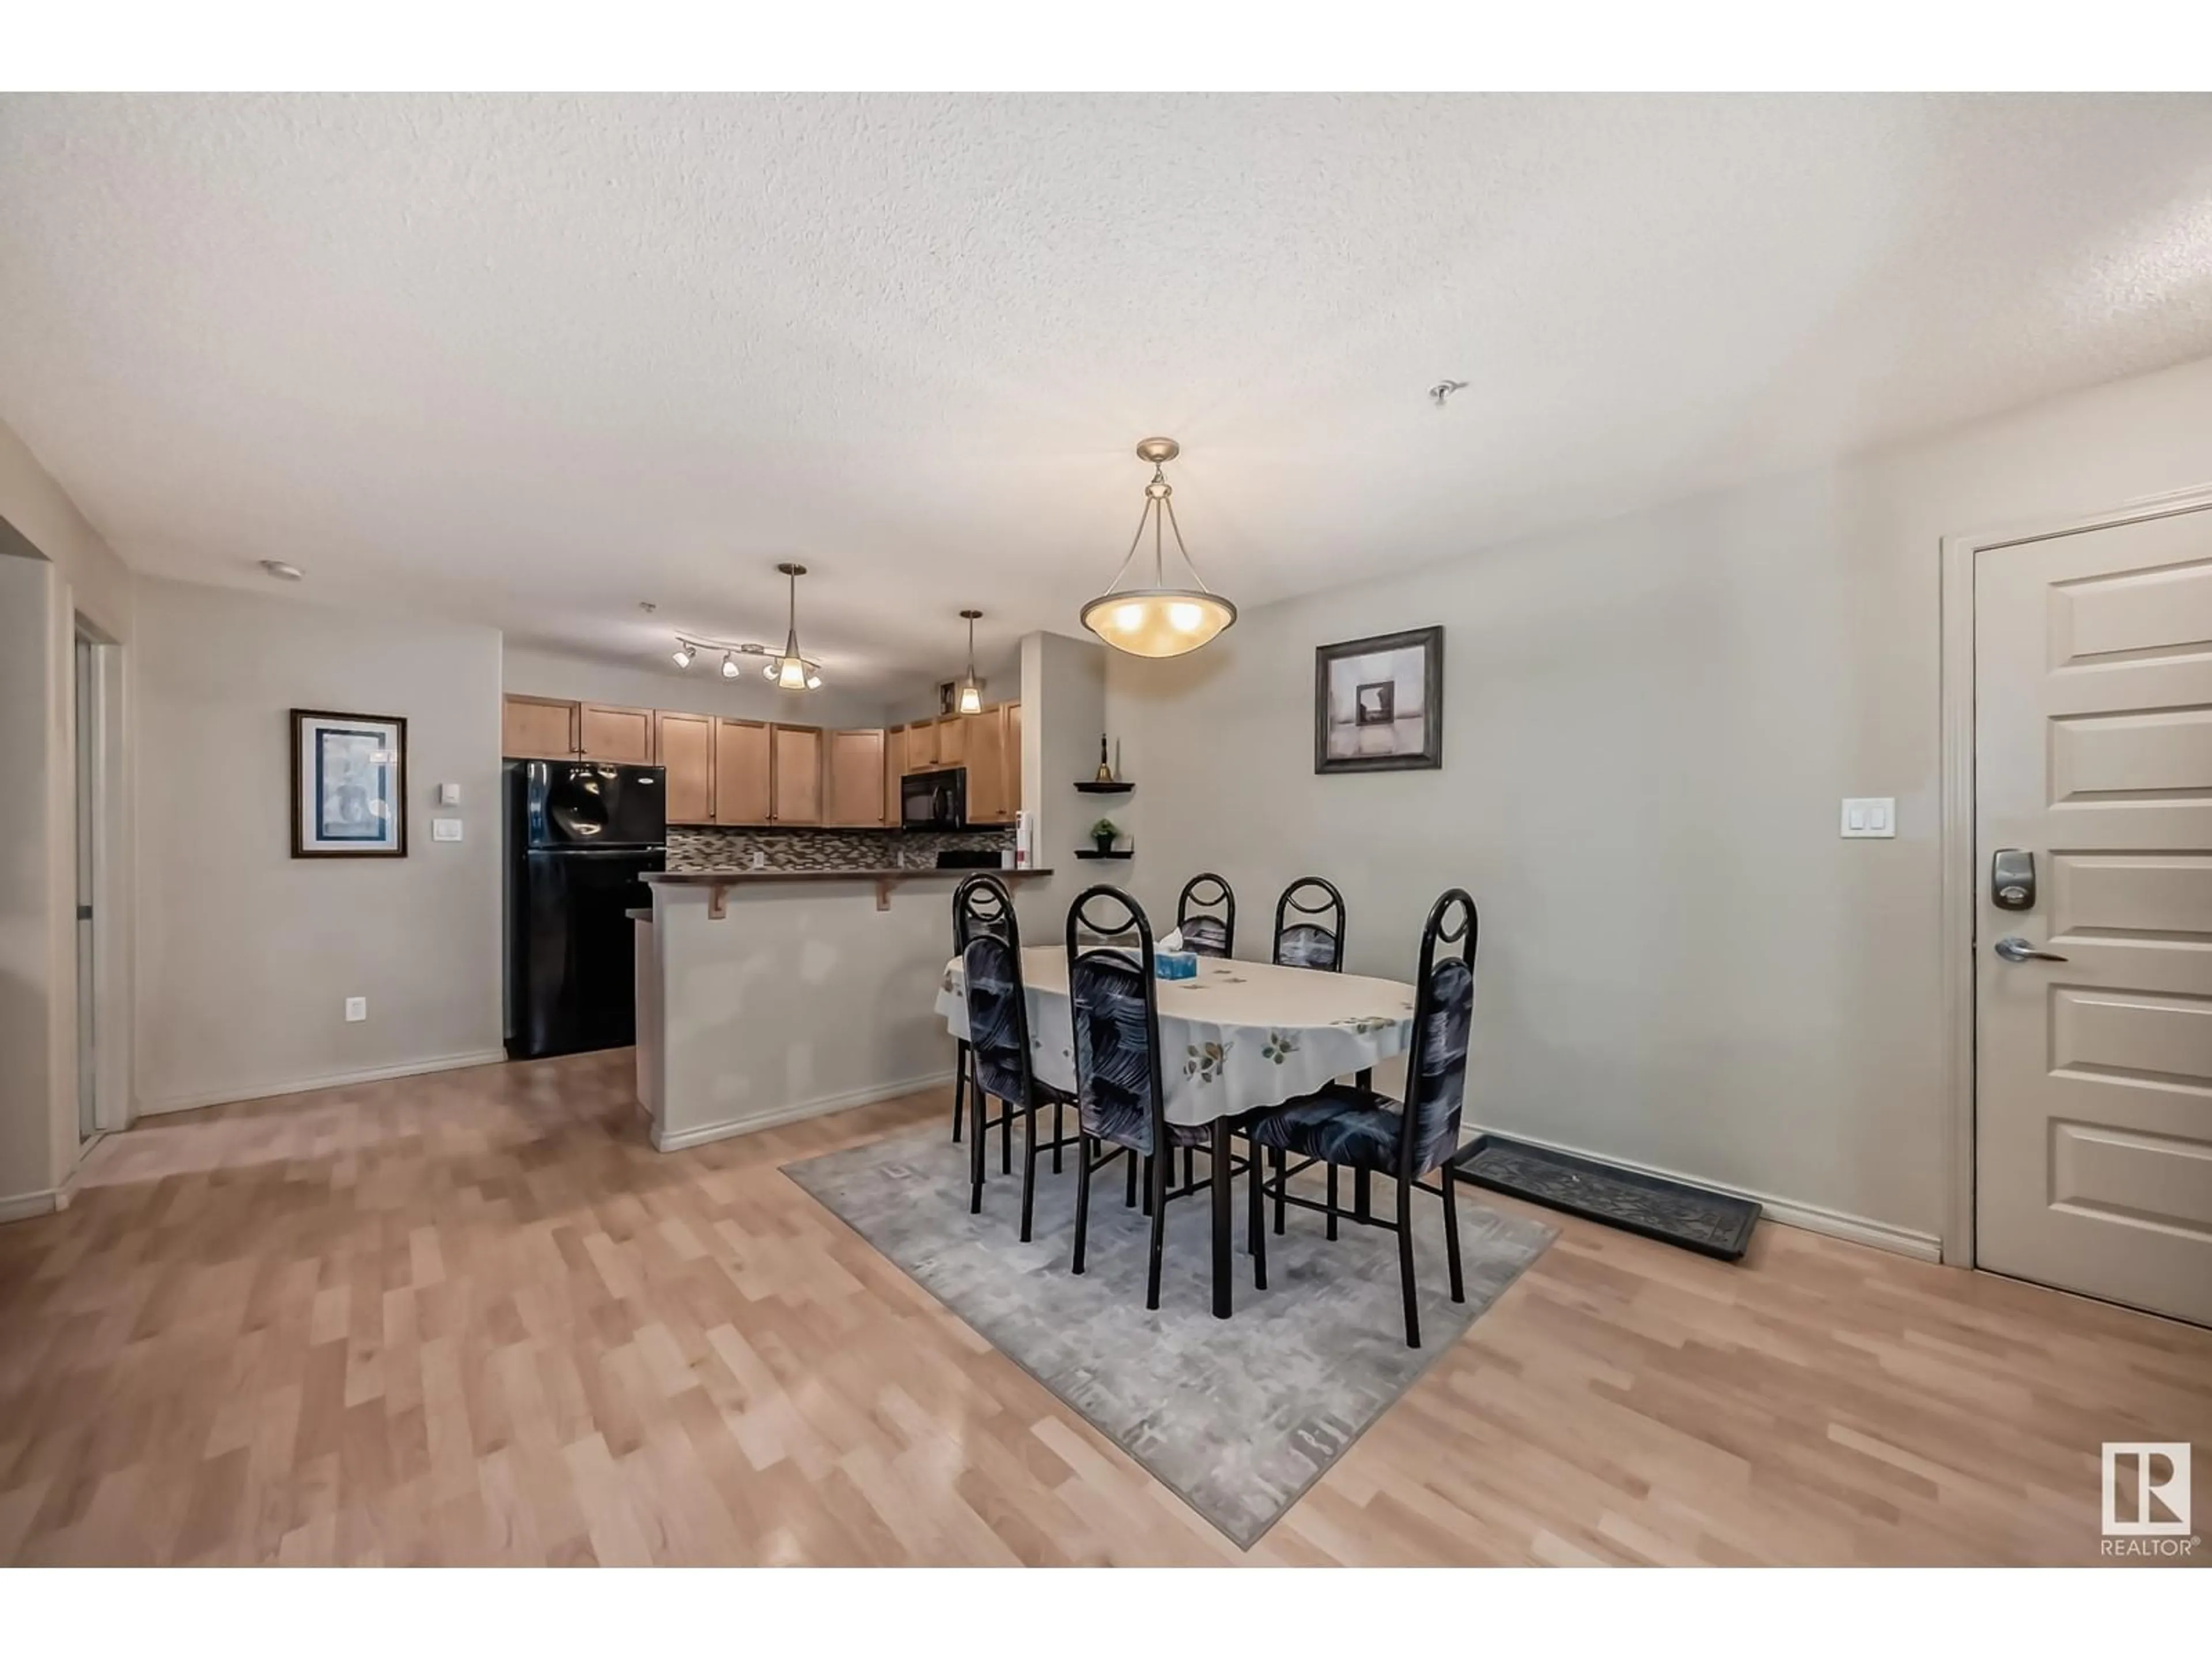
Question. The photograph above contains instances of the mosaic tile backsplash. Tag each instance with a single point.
(697, 849)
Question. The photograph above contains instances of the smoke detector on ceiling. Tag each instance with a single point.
(282, 571)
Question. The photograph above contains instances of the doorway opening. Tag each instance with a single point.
(103, 1083)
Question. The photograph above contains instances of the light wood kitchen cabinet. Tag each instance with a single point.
(952, 739)
(536, 728)
(918, 747)
(685, 743)
(854, 775)
(796, 756)
(983, 745)
(741, 772)
(995, 763)
(621, 736)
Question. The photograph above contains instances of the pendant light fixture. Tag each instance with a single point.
(791, 671)
(971, 688)
(786, 669)
(1158, 621)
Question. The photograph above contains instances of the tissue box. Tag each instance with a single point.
(1174, 964)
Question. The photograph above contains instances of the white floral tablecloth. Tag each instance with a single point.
(1241, 1035)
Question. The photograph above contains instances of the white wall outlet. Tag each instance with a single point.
(449, 794)
(760, 860)
(444, 829)
(1869, 817)
(356, 1008)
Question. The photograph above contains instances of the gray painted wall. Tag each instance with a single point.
(1649, 725)
(246, 954)
(55, 568)
(1063, 711)
(37, 982)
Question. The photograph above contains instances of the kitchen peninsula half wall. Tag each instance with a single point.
(765, 996)
(714, 848)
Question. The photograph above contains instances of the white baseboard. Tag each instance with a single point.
(22, 1207)
(1807, 1217)
(793, 1113)
(332, 1080)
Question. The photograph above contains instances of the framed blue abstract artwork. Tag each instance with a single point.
(349, 785)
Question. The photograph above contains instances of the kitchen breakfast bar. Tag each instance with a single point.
(765, 996)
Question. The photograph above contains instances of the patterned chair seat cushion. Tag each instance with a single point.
(1114, 1065)
(1303, 944)
(1205, 936)
(1341, 1124)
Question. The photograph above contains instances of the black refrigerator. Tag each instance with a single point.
(580, 836)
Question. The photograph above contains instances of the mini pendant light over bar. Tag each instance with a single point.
(971, 688)
(1158, 621)
(787, 668)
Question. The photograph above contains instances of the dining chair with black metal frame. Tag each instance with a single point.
(998, 1055)
(1343, 1125)
(973, 902)
(1317, 943)
(1120, 1092)
(1206, 934)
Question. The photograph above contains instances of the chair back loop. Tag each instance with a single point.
(1309, 925)
(1206, 933)
(982, 904)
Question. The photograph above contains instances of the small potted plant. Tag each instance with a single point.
(1103, 834)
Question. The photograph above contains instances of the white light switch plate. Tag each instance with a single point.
(1869, 816)
(356, 1008)
(444, 829)
(449, 794)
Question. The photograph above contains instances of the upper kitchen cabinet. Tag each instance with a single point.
(952, 739)
(685, 743)
(536, 728)
(917, 746)
(992, 749)
(796, 757)
(742, 792)
(983, 753)
(621, 736)
(853, 774)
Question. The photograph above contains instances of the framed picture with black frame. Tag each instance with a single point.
(1379, 703)
(349, 785)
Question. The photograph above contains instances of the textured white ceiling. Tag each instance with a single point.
(533, 360)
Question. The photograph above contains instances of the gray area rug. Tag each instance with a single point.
(1238, 1417)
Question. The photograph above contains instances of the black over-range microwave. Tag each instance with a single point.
(934, 800)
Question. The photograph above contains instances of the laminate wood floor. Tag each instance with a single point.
(474, 1317)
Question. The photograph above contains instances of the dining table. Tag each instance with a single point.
(1237, 1036)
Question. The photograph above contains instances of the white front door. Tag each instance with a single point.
(2092, 753)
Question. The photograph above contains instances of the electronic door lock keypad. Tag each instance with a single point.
(2012, 879)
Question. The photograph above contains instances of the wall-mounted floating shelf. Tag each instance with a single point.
(1093, 786)
(1093, 853)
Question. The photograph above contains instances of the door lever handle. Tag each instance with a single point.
(2012, 948)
